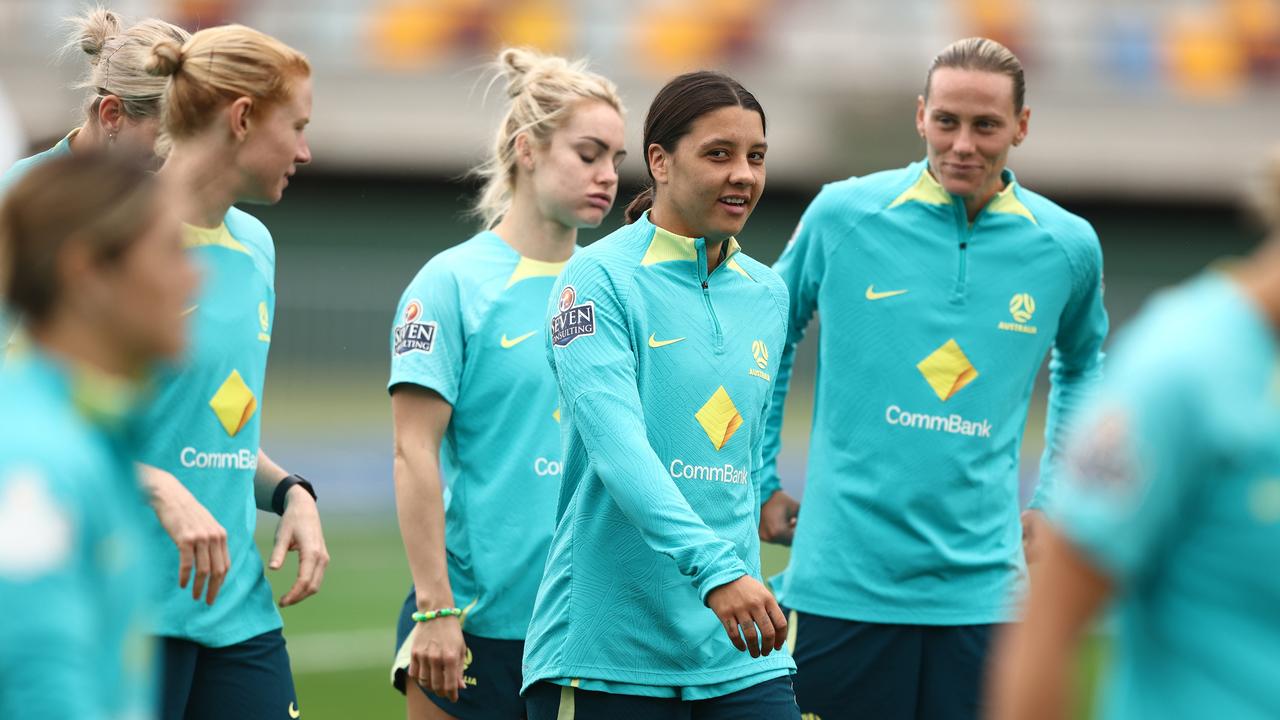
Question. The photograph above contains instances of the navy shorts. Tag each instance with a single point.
(249, 680)
(770, 700)
(888, 672)
(492, 673)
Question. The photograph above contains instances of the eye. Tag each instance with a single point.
(586, 158)
(945, 121)
(756, 157)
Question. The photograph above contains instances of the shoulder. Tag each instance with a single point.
(768, 279)
(854, 198)
(47, 434)
(612, 261)
(469, 264)
(24, 166)
(1072, 233)
(1183, 338)
(251, 232)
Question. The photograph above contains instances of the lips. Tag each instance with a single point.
(735, 204)
(600, 200)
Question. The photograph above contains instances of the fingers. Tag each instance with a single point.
(780, 625)
(768, 633)
(186, 558)
(202, 570)
(753, 637)
(221, 565)
(311, 566)
(435, 665)
(735, 637)
(284, 536)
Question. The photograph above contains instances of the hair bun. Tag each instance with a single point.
(94, 30)
(166, 58)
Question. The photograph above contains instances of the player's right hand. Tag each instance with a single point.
(778, 518)
(746, 604)
(437, 658)
(201, 541)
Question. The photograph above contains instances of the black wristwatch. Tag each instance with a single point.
(277, 498)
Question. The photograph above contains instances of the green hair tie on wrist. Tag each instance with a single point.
(433, 614)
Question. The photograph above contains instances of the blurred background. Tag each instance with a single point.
(1149, 117)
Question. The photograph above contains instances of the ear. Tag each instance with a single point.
(920, 115)
(76, 277)
(1024, 119)
(238, 115)
(111, 114)
(524, 152)
(658, 163)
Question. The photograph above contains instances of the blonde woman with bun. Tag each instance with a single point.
(122, 110)
(474, 404)
(237, 103)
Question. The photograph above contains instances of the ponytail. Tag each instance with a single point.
(639, 205)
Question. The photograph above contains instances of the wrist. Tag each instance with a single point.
(286, 491)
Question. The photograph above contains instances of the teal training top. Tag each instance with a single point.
(469, 328)
(11, 176)
(933, 330)
(205, 427)
(665, 374)
(73, 640)
(1174, 492)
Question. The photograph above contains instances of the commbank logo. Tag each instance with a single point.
(947, 370)
(233, 404)
(719, 418)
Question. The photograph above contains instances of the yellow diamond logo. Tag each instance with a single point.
(234, 404)
(719, 418)
(947, 370)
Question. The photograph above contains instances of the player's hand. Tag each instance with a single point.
(438, 656)
(778, 518)
(746, 604)
(1033, 522)
(299, 530)
(201, 541)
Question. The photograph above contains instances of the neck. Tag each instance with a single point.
(1259, 279)
(86, 343)
(973, 204)
(205, 181)
(533, 234)
(90, 138)
(666, 218)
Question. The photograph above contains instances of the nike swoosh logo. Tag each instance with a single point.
(293, 711)
(507, 344)
(655, 343)
(873, 295)
(189, 310)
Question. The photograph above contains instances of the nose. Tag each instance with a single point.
(608, 176)
(740, 172)
(303, 155)
(963, 144)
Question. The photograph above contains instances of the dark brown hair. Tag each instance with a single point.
(984, 55)
(677, 107)
(87, 199)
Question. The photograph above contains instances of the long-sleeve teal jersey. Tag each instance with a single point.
(933, 331)
(73, 601)
(204, 428)
(1172, 490)
(469, 327)
(665, 373)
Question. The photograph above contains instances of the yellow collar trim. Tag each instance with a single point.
(928, 190)
(1007, 203)
(220, 236)
(530, 268)
(105, 399)
(666, 246)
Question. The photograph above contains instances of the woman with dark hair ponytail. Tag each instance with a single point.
(663, 338)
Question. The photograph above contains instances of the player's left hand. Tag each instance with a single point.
(299, 530)
(778, 518)
(1033, 522)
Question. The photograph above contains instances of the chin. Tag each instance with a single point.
(590, 218)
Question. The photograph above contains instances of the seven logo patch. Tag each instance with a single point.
(573, 321)
(414, 336)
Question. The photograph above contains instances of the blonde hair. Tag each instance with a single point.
(88, 199)
(217, 66)
(118, 59)
(543, 90)
(984, 55)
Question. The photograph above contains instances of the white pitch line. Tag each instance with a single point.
(326, 652)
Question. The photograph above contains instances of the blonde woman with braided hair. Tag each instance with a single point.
(237, 103)
(122, 110)
(474, 404)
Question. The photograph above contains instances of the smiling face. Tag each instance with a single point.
(969, 123)
(710, 182)
(274, 145)
(575, 173)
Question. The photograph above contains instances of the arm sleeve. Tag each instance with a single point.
(801, 268)
(1075, 366)
(1129, 481)
(596, 373)
(45, 635)
(427, 335)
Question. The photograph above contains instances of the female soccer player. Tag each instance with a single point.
(1169, 510)
(942, 287)
(236, 109)
(664, 340)
(122, 111)
(91, 255)
(468, 371)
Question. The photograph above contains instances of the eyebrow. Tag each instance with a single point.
(727, 141)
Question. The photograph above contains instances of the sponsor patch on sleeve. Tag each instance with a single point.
(412, 335)
(574, 320)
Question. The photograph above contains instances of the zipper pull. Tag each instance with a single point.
(704, 284)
